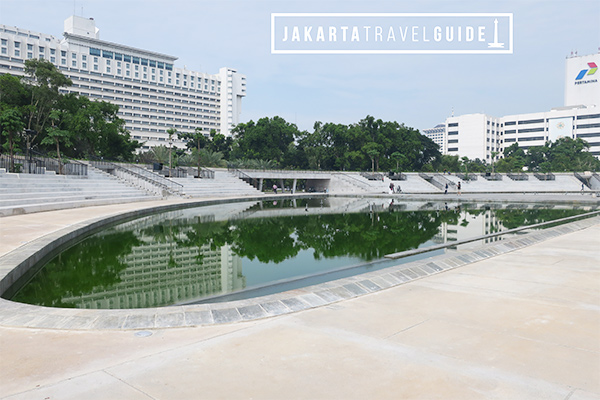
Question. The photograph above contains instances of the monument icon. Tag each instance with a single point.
(495, 44)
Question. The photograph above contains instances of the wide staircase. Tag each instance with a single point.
(223, 184)
(560, 183)
(27, 193)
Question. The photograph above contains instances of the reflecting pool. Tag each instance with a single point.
(238, 250)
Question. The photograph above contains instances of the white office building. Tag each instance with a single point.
(479, 135)
(152, 94)
(437, 134)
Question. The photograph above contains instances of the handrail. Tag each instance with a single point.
(518, 177)
(230, 168)
(107, 165)
(43, 163)
(242, 175)
(358, 183)
(444, 180)
(492, 176)
(467, 177)
(372, 176)
(152, 176)
(549, 176)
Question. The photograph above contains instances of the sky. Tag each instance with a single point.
(419, 90)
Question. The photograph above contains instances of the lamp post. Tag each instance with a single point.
(170, 151)
(30, 135)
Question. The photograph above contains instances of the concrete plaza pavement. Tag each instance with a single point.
(521, 325)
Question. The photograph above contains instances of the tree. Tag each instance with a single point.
(11, 123)
(568, 154)
(494, 154)
(399, 158)
(373, 151)
(97, 129)
(449, 163)
(219, 143)
(194, 139)
(268, 139)
(44, 82)
(56, 136)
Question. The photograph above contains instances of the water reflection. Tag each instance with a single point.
(189, 254)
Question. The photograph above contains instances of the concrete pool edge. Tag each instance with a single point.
(22, 315)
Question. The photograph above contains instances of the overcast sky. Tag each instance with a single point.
(418, 90)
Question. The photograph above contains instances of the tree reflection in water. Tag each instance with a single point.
(99, 263)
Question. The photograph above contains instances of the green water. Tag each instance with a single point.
(208, 252)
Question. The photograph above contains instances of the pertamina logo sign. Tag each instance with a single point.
(586, 73)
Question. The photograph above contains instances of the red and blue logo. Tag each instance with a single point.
(591, 71)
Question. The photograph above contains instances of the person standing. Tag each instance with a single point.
(446, 189)
(458, 187)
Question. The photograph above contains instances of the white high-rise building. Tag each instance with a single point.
(479, 135)
(152, 94)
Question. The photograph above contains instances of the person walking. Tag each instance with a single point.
(446, 189)
(458, 187)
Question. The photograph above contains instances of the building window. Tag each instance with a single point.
(590, 116)
(531, 121)
(119, 72)
(4, 50)
(17, 53)
(127, 73)
(53, 60)
(83, 57)
(63, 61)
(63, 53)
(137, 74)
(73, 63)
(17, 45)
(84, 65)
(582, 126)
(107, 62)
(531, 130)
(4, 42)
(30, 47)
(95, 67)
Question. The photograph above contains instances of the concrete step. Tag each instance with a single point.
(31, 208)
(72, 192)
(69, 198)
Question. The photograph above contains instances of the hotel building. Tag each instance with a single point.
(152, 94)
(478, 135)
